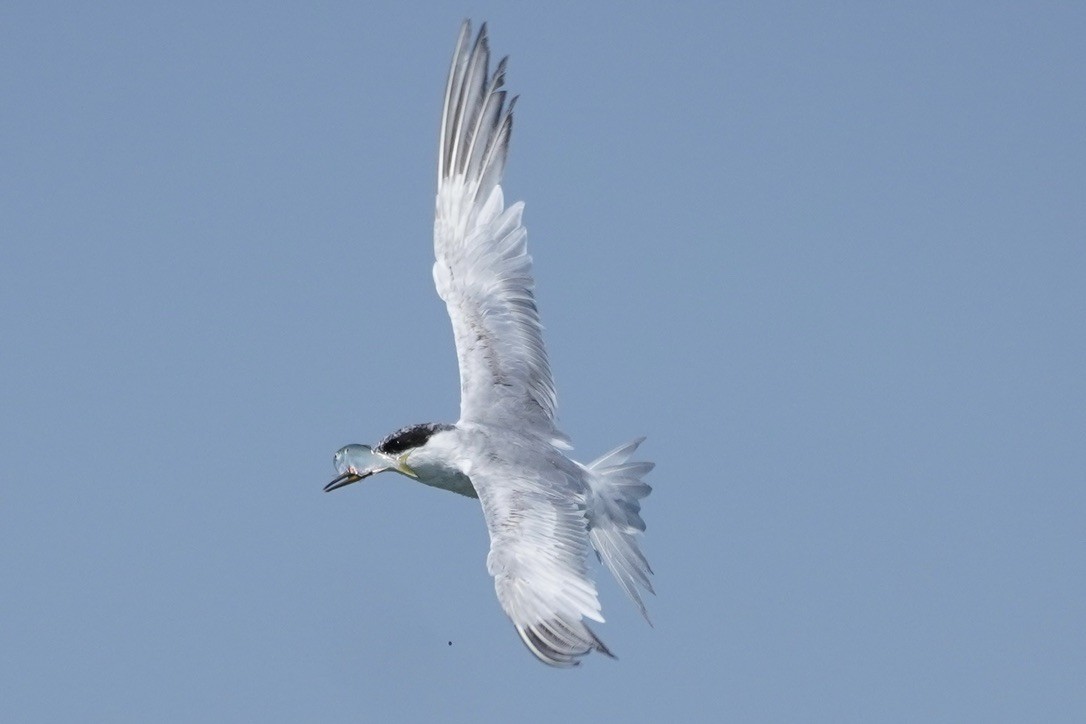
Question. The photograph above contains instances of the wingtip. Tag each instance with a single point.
(551, 643)
(599, 645)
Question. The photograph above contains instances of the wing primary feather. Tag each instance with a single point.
(452, 90)
(497, 150)
(474, 78)
(557, 645)
(487, 118)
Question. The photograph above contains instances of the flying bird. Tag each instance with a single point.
(544, 511)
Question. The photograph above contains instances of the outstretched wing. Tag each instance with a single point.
(483, 271)
(538, 543)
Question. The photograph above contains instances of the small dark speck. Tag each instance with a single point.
(450, 643)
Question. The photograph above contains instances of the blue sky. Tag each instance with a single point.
(830, 260)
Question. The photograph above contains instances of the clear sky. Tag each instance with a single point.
(831, 261)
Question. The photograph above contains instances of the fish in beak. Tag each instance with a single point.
(355, 462)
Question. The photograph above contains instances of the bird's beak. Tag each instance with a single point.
(344, 479)
(353, 475)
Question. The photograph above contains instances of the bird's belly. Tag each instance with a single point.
(446, 479)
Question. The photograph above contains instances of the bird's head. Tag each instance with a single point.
(355, 462)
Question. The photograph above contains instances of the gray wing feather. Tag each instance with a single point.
(538, 545)
(482, 270)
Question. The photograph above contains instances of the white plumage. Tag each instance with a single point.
(482, 268)
(544, 511)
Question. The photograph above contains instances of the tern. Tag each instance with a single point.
(544, 511)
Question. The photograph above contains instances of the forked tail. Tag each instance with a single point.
(615, 518)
